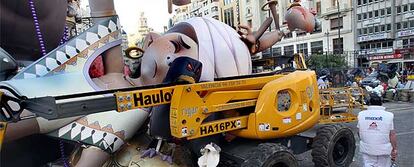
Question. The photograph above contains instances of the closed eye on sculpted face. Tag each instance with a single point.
(177, 47)
(180, 44)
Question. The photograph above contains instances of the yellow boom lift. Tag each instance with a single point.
(270, 113)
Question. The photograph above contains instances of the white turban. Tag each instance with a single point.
(221, 51)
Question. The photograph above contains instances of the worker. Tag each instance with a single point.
(377, 134)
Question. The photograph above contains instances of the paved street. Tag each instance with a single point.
(403, 123)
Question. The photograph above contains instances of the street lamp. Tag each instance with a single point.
(327, 41)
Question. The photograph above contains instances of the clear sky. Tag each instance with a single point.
(129, 13)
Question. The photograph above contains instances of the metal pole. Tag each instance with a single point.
(271, 48)
(327, 41)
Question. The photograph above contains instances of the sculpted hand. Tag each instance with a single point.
(248, 37)
(394, 154)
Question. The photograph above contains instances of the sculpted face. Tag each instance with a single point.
(161, 51)
(298, 17)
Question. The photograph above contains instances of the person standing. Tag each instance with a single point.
(378, 141)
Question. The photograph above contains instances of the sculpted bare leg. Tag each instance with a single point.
(91, 157)
(21, 129)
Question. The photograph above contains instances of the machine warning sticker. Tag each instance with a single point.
(264, 127)
(305, 107)
(238, 123)
(184, 131)
(298, 116)
(220, 127)
(287, 120)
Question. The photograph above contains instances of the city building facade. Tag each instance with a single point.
(385, 32)
(336, 17)
(197, 8)
(336, 31)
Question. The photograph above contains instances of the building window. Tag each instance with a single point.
(405, 7)
(302, 48)
(249, 22)
(334, 2)
(288, 35)
(362, 46)
(359, 2)
(369, 14)
(385, 44)
(317, 30)
(370, 30)
(405, 43)
(249, 11)
(336, 23)
(228, 17)
(318, 8)
(382, 28)
(365, 15)
(300, 33)
(359, 17)
(412, 6)
(398, 9)
(376, 29)
(317, 47)
(277, 51)
(411, 23)
(288, 50)
(382, 12)
(388, 27)
(398, 25)
(376, 13)
(389, 10)
(365, 30)
(338, 45)
(390, 44)
(266, 53)
(226, 2)
(405, 25)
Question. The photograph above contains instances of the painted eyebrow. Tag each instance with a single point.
(182, 43)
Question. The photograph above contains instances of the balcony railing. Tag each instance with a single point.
(374, 37)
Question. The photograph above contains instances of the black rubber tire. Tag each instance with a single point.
(270, 155)
(333, 146)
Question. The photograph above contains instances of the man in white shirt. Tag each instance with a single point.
(322, 84)
(377, 134)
